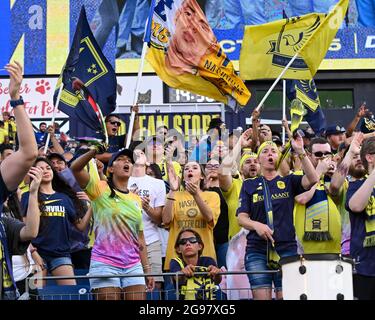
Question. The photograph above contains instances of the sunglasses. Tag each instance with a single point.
(185, 241)
(320, 154)
(212, 166)
(115, 123)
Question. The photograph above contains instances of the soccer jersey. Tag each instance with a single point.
(186, 214)
(54, 235)
(282, 190)
(115, 143)
(117, 223)
(364, 256)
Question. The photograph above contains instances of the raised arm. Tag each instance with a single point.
(56, 144)
(78, 168)
(167, 213)
(340, 174)
(362, 111)
(358, 202)
(32, 219)
(15, 167)
(311, 177)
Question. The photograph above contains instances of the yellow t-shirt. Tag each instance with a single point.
(164, 171)
(186, 214)
(231, 197)
(334, 222)
(3, 134)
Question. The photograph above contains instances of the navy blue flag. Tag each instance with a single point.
(89, 81)
(305, 90)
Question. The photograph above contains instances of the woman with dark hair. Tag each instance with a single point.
(192, 208)
(153, 170)
(58, 204)
(189, 247)
(120, 246)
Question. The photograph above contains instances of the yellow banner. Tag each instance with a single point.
(185, 54)
(268, 48)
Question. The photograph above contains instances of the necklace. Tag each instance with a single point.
(47, 196)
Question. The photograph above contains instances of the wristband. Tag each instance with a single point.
(173, 199)
(15, 103)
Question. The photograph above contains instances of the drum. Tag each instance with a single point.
(317, 277)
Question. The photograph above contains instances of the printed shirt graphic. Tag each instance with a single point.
(54, 235)
(117, 223)
(185, 54)
(282, 190)
(364, 256)
(186, 214)
(155, 189)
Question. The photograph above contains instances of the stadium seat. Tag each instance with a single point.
(53, 292)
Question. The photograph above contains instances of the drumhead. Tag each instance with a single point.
(316, 257)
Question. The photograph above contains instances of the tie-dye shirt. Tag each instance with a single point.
(117, 223)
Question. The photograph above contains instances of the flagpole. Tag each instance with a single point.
(276, 81)
(136, 91)
(54, 115)
(284, 108)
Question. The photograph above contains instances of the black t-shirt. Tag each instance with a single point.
(282, 190)
(222, 226)
(364, 256)
(115, 143)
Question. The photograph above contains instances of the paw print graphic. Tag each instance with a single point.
(42, 86)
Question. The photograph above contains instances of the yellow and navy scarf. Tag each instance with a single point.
(317, 216)
(370, 223)
(199, 287)
(272, 255)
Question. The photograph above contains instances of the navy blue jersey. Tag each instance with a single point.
(282, 190)
(115, 143)
(54, 232)
(364, 256)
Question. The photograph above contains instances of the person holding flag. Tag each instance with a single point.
(266, 209)
(185, 53)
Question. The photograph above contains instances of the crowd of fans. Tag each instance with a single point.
(163, 206)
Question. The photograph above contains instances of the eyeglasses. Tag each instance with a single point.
(212, 166)
(115, 123)
(185, 241)
(320, 154)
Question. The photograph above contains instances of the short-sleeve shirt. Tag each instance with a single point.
(282, 190)
(4, 192)
(54, 233)
(186, 214)
(364, 256)
(155, 189)
(117, 223)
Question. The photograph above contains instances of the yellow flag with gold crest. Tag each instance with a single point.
(268, 48)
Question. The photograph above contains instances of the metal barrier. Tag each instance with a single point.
(37, 287)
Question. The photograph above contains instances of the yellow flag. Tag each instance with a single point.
(268, 48)
(185, 53)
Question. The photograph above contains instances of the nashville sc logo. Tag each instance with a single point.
(289, 41)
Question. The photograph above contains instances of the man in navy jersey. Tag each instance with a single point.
(266, 209)
(361, 206)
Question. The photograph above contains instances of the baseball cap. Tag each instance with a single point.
(215, 123)
(334, 129)
(56, 155)
(121, 152)
(277, 140)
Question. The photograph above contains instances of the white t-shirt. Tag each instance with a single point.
(155, 189)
